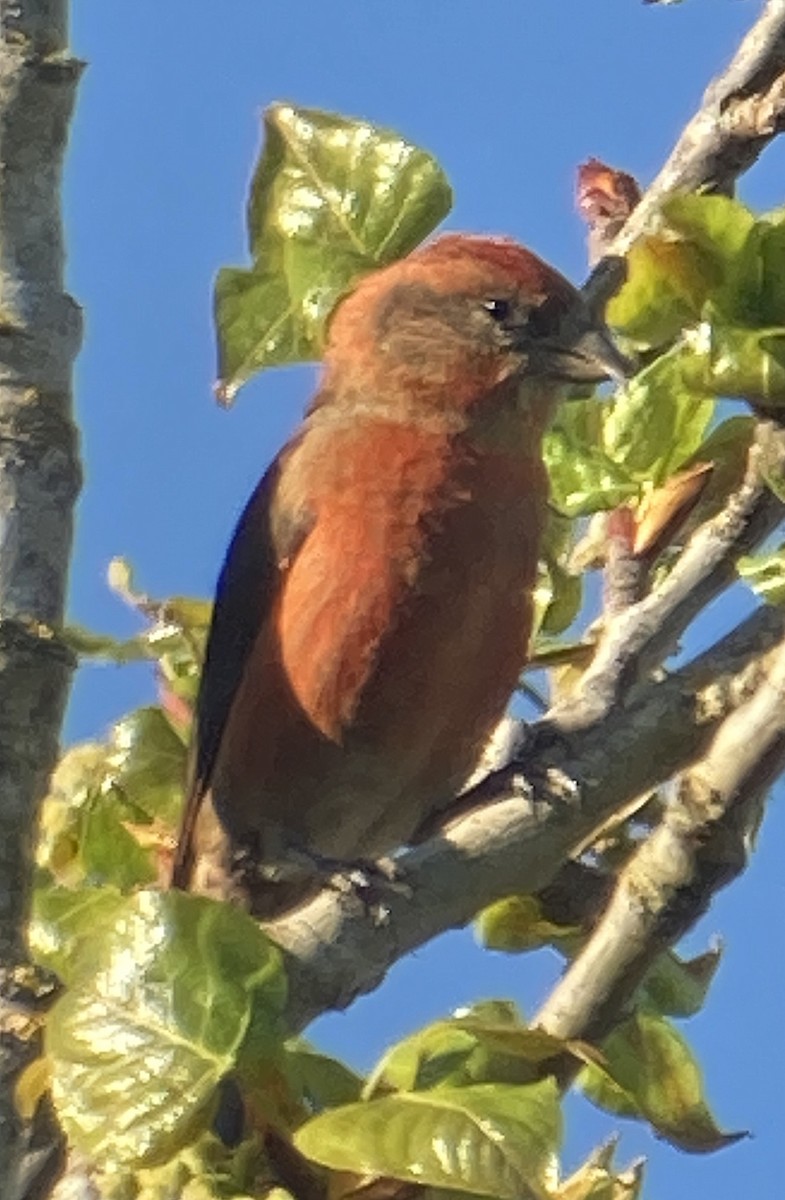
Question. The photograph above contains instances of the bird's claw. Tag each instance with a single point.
(373, 882)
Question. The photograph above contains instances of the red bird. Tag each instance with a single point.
(374, 610)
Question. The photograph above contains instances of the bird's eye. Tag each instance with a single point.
(499, 310)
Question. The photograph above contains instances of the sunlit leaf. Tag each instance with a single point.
(156, 1014)
(493, 1140)
(484, 1044)
(665, 289)
(331, 199)
(64, 919)
(146, 762)
(727, 449)
(584, 479)
(727, 360)
(772, 281)
(657, 421)
(726, 233)
(76, 779)
(205, 1170)
(108, 852)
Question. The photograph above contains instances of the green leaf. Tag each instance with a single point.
(765, 574)
(207, 1170)
(666, 285)
(325, 1082)
(432, 1056)
(147, 762)
(77, 778)
(727, 449)
(488, 1043)
(772, 282)
(63, 920)
(584, 479)
(678, 988)
(559, 592)
(657, 421)
(651, 1071)
(726, 232)
(487, 1139)
(99, 792)
(516, 925)
(108, 852)
(156, 1015)
(745, 364)
(331, 199)
(717, 224)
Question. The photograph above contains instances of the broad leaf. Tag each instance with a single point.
(765, 574)
(488, 1139)
(656, 422)
(678, 987)
(650, 1071)
(584, 478)
(157, 1013)
(516, 924)
(737, 363)
(64, 920)
(323, 1081)
(332, 198)
(147, 762)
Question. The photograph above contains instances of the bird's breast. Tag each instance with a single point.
(401, 629)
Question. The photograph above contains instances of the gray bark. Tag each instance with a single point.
(40, 332)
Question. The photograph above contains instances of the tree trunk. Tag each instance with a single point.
(40, 332)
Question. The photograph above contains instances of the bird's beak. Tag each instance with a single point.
(590, 358)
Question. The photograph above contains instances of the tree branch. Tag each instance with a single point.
(40, 331)
(670, 881)
(606, 751)
(643, 634)
(519, 840)
(742, 110)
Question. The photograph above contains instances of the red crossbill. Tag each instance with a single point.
(374, 610)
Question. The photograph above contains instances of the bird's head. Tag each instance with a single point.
(463, 315)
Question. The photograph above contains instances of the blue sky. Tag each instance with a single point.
(510, 97)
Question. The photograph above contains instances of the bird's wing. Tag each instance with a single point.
(263, 544)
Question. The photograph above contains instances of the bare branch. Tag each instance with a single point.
(742, 110)
(647, 631)
(519, 839)
(670, 881)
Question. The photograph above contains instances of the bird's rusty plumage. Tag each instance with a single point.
(374, 610)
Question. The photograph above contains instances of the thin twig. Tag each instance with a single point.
(519, 840)
(670, 881)
(742, 110)
(649, 630)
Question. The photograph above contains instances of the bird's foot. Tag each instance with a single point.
(537, 765)
(373, 882)
(302, 873)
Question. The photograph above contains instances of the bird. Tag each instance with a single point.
(374, 610)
